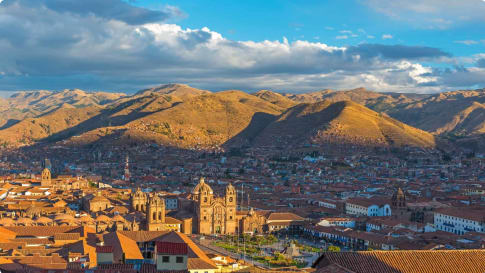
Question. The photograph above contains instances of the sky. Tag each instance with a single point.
(295, 46)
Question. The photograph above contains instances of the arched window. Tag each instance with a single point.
(230, 199)
(154, 217)
(137, 207)
(205, 199)
(159, 216)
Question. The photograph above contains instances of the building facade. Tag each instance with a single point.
(214, 215)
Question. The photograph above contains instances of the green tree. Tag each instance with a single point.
(333, 249)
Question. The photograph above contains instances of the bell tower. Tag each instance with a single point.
(230, 200)
(46, 178)
(138, 201)
(203, 197)
(155, 214)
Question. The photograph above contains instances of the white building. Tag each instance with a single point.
(460, 221)
(368, 207)
(339, 222)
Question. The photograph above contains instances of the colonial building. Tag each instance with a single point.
(45, 178)
(96, 203)
(155, 215)
(139, 201)
(214, 215)
(251, 222)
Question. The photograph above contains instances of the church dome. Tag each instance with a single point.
(202, 187)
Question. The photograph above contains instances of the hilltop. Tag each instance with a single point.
(184, 116)
(341, 122)
(275, 98)
(31, 104)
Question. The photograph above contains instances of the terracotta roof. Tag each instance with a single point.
(475, 214)
(284, 216)
(406, 261)
(143, 236)
(197, 259)
(171, 248)
(122, 245)
(6, 233)
(66, 236)
(171, 220)
(104, 249)
(41, 231)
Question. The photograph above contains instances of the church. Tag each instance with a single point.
(154, 208)
(214, 215)
(202, 213)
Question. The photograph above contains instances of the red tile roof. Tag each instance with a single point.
(104, 249)
(172, 248)
(406, 261)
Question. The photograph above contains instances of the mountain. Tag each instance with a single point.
(205, 121)
(456, 112)
(275, 98)
(179, 90)
(183, 116)
(341, 123)
(30, 130)
(374, 100)
(30, 104)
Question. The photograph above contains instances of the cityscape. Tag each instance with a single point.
(133, 138)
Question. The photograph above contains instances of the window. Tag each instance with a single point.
(179, 259)
(165, 259)
(205, 199)
(230, 199)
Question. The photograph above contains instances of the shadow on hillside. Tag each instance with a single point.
(105, 119)
(258, 123)
(9, 123)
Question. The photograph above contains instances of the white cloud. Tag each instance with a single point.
(431, 13)
(467, 42)
(386, 36)
(370, 37)
(49, 49)
(342, 37)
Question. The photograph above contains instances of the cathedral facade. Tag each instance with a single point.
(214, 215)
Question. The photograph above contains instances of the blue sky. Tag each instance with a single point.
(289, 46)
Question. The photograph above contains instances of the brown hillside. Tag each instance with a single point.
(182, 91)
(275, 98)
(30, 104)
(30, 130)
(340, 122)
(457, 112)
(203, 121)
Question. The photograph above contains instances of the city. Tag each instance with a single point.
(277, 136)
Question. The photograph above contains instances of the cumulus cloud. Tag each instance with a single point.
(97, 49)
